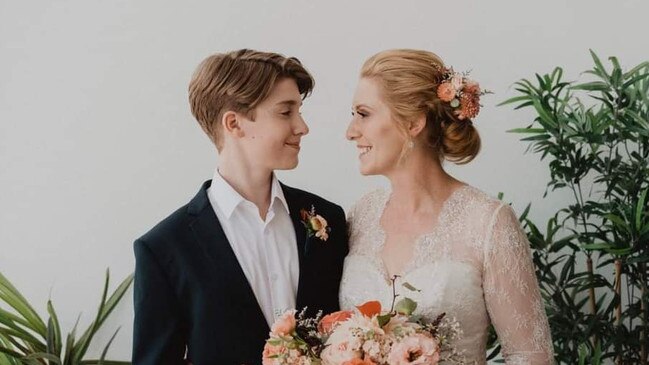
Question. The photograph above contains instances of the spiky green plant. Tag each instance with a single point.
(25, 338)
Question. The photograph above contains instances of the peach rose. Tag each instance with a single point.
(284, 325)
(340, 353)
(417, 349)
(318, 223)
(330, 321)
(271, 350)
(445, 92)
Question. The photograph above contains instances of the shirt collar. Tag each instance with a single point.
(229, 199)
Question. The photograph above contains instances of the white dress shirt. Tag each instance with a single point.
(266, 250)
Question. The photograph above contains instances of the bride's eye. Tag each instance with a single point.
(362, 114)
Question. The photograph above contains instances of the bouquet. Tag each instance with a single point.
(364, 336)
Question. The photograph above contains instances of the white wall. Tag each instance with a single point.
(97, 142)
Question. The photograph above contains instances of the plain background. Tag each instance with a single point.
(97, 142)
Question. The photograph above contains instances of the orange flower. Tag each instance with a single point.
(445, 92)
(471, 87)
(469, 106)
(359, 362)
(370, 309)
(330, 321)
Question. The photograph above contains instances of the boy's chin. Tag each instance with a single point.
(288, 165)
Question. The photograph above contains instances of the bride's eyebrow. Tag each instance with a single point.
(359, 106)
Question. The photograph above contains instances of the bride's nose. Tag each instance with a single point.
(352, 131)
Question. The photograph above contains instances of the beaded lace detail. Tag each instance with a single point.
(475, 265)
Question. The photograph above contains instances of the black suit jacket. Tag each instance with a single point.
(192, 300)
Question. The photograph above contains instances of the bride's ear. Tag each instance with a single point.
(416, 126)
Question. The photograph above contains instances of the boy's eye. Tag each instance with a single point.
(287, 113)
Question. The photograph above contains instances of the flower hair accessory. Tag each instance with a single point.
(462, 93)
(314, 223)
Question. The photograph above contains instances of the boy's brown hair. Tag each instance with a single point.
(238, 81)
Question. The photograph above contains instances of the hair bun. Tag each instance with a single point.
(460, 142)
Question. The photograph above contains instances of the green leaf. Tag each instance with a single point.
(591, 86)
(405, 306)
(409, 286)
(10, 295)
(526, 130)
(634, 80)
(10, 352)
(43, 355)
(515, 99)
(597, 246)
(545, 117)
(617, 221)
(84, 341)
(639, 209)
(54, 331)
(103, 353)
(105, 309)
(70, 344)
(384, 319)
(28, 338)
(539, 137)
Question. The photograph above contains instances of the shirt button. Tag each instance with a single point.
(273, 277)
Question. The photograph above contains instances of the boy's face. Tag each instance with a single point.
(272, 140)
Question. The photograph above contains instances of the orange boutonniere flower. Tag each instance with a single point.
(315, 224)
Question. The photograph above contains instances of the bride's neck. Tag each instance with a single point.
(420, 182)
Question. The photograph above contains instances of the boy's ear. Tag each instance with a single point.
(231, 122)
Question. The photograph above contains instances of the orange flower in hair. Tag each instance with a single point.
(462, 94)
(445, 92)
(469, 106)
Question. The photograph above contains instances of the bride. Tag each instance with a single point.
(464, 251)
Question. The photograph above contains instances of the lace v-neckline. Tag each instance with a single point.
(429, 236)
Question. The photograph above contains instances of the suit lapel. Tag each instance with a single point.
(294, 202)
(211, 237)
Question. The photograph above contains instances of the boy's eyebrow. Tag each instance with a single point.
(290, 102)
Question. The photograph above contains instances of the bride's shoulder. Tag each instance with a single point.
(372, 197)
(479, 201)
(368, 203)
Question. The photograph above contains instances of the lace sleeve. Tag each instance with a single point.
(512, 293)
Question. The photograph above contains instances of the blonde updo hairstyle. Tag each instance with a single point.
(409, 80)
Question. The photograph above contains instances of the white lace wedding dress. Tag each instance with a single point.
(475, 265)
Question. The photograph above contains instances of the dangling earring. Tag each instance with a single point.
(411, 144)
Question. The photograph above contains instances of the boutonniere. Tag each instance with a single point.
(315, 224)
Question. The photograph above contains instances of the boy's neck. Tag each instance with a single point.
(253, 185)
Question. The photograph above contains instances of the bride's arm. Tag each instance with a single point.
(512, 293)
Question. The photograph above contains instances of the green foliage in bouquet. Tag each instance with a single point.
(592, 258)
(26, 339)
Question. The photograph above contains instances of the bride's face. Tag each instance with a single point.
(377, 136)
